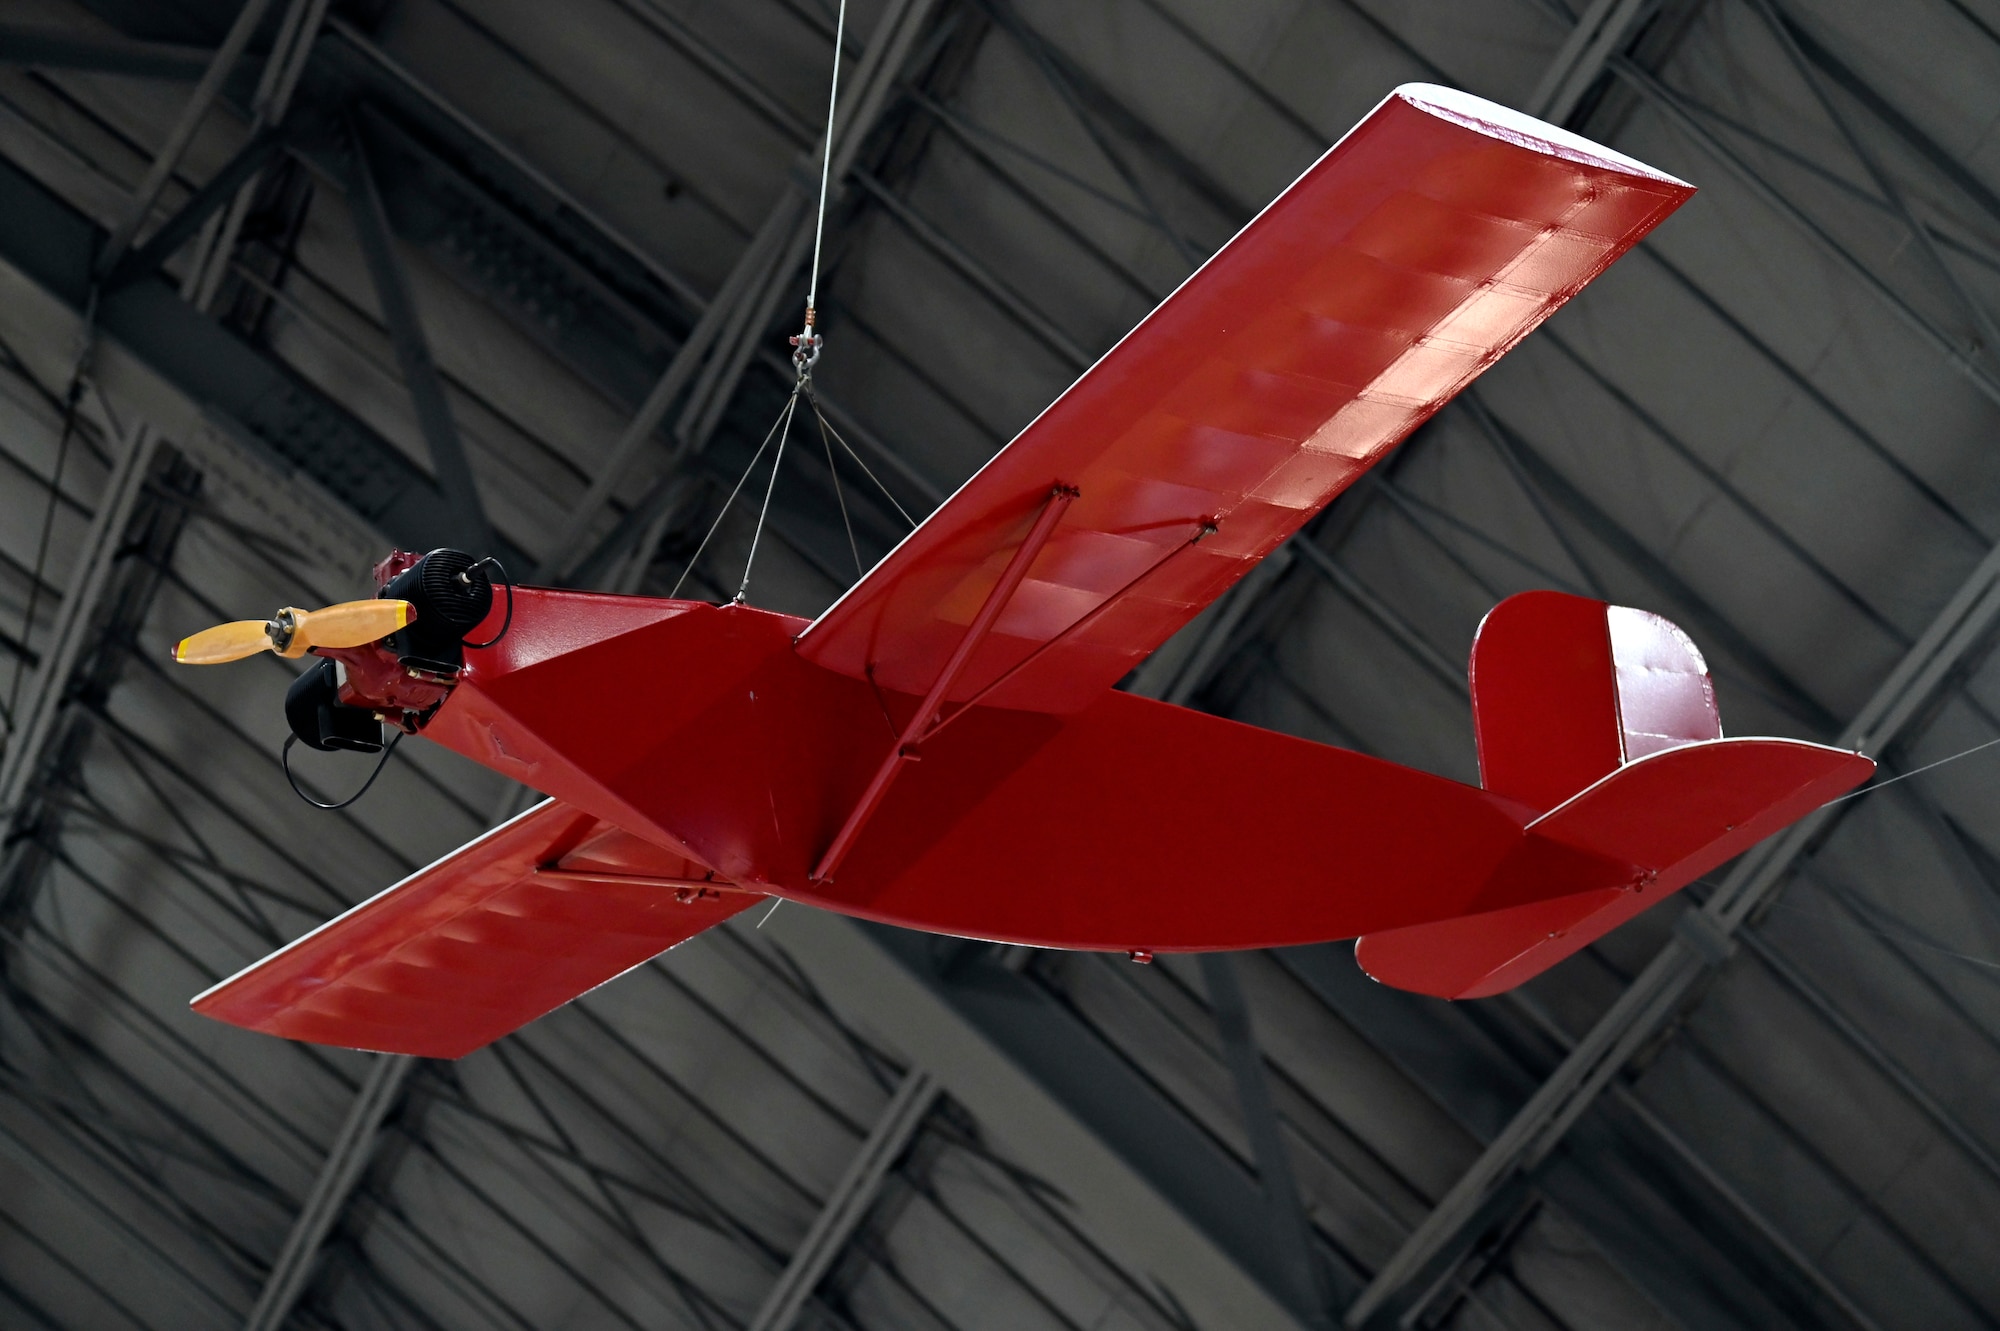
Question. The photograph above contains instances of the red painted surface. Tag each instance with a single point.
(1129, 826)
(684, 741)
(1565, 688)
(1671, 816)
(479, 944)
(1544, 697)
(1407, 259)
(914, 730)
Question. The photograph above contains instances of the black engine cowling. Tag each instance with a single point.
(453, 594)
(321, 721)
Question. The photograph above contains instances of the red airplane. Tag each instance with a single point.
(945, 748)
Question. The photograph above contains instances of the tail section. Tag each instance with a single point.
(1565, 690)
(1604, 719)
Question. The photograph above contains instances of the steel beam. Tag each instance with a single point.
(198, 383)
(1290, 1232)
(76, 621)
(1175, 674)
(192, 114)
(1537, 471)
(76, 627)
(1786, 32)
(1159, 1190)
(352, 1148)
(1673, 105)
(1693, 1265)
(132, 535)
(1606, 28)
(146, 259)
(847, 1205)
(59, 48)
(461, 519)
(1395, 625)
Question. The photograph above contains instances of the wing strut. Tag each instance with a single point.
(1060, 498)
(1207, 527)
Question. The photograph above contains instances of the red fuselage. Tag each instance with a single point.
(1129, 824)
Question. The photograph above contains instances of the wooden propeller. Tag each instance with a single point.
(292, 632)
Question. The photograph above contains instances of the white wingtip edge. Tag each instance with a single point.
(1518, 127)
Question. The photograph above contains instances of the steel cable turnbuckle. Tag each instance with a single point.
(805, 348)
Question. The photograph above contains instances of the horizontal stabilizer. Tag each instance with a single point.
(1666, 819)
(535, 913)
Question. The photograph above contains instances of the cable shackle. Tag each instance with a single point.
(805, 348)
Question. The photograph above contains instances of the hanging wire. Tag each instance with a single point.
(770, 487)
(812, 400)
(805, 348)
(1874, 786)
(754, 459)
(838, 497)
(826, 161)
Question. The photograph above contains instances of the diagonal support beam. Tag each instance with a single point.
(353, 1146)
(1605, 29)
(1153, 1185)
(41, 47)
(1676, 108)
(192, 114)
(33, 726)
(847, 1205)
(461, 521)
(1290, 1230)
(147, 259)
(1406, 636)
(47, 694)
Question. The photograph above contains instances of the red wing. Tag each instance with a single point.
(531, 915)
(1427, 242)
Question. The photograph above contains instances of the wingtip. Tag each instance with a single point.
(1500, 121)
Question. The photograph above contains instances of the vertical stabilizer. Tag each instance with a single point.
(1566, 689)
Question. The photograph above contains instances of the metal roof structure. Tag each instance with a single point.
(285, 281)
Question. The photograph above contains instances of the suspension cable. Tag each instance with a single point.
(868, 471)
(826, 158)
(784, 415)
(770, 487)
(808, 342)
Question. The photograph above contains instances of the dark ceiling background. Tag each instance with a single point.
(430, 267)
